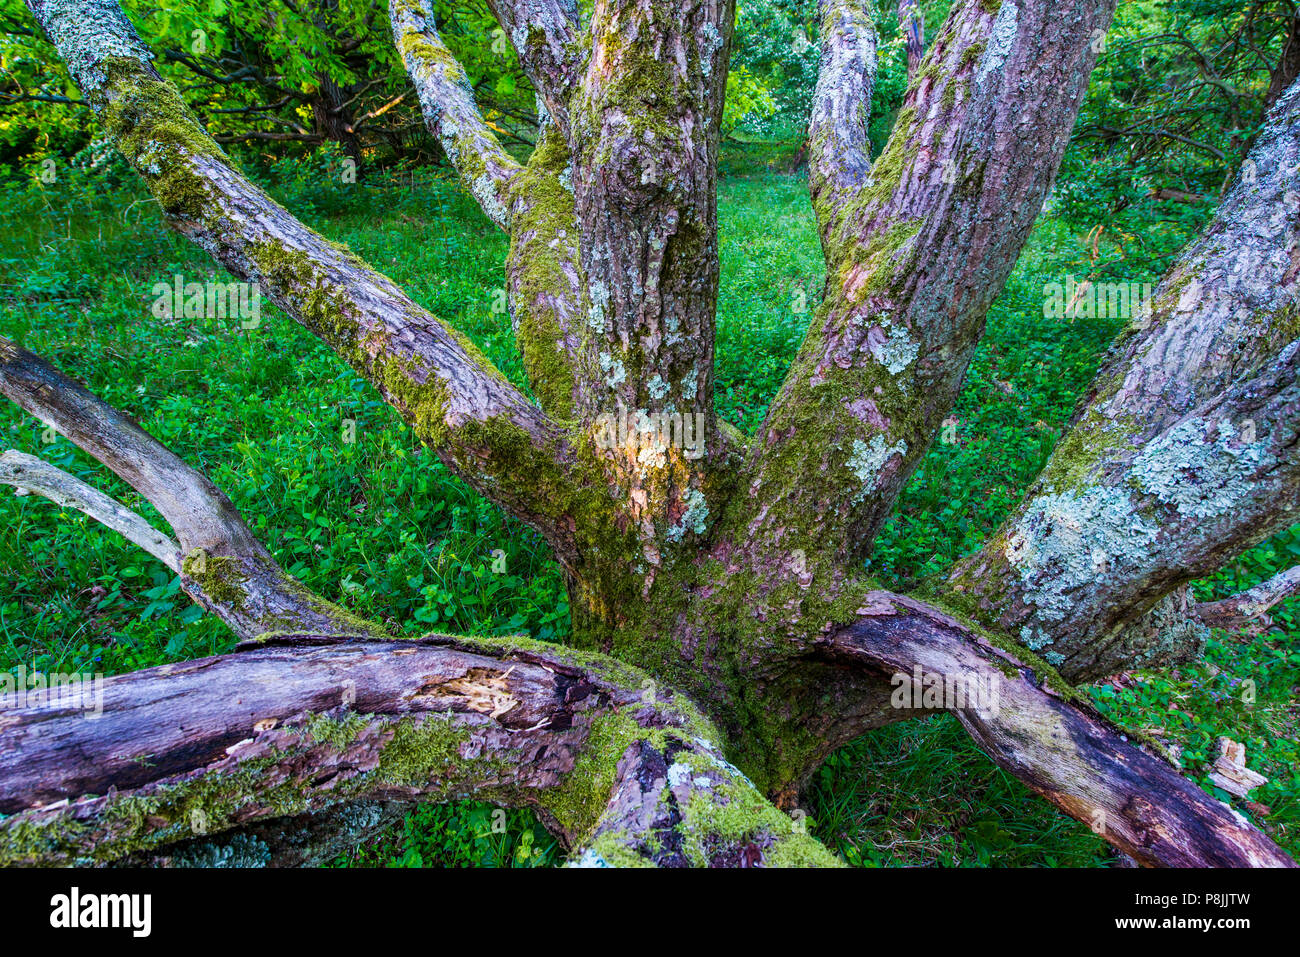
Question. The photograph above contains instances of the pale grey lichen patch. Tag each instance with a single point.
(657, 387)
(869, 458)
(1032, 639)
(599, 295)
(711, 757)
(615, 373)
(695, 518)
(679, 774)
(1066, 543)
(590, 858)
(1203, 468)
(485, 192)
(1000, 41)
(896, 351)
(713, 42)
(1166, 633)
(151, 156)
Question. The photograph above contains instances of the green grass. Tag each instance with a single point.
(379, 525)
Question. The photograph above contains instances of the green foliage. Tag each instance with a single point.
(776, 47)
(1177, 97)
(463, 834)
(302, 74)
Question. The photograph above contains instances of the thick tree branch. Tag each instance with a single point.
(300, 725)
(839, 154)
(27, 474)
(1184, 453)
(544, 280)
(544, 34)
(645, 124)
(447, 100)
(1047, 738)
(915, 256)
(481, 426)
(225, 569)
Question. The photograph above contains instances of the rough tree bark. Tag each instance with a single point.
(719, 607)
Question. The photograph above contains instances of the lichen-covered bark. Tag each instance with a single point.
(545, 35)
(644, 127)
(447, 101)
(678, 803)
(1184, 452)
(1045, 735)
(839, 154)
(915, 255)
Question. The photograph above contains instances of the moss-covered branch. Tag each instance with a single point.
(916, 249)
(447, 101)
(300, 725)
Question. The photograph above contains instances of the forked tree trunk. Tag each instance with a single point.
(718, 598)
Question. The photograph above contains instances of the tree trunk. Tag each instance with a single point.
(333, 120)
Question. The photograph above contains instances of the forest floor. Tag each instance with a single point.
(339, 491)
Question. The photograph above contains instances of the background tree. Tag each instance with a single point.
(277, 73)
(717, 599)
